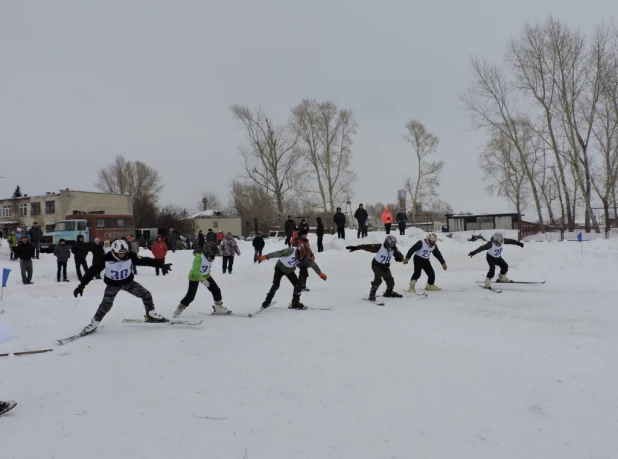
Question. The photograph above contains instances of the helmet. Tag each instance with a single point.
(390, 241)
(302, 250)
(432, 238)
(210, 250)
(119, 246)
(498, 238)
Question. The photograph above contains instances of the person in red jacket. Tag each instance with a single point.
(220, 237)
(159, 252)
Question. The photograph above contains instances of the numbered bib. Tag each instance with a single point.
(290, 261)
(384, 256)
(118, 270)
(206, 265)
(425, 251)
(495, 251)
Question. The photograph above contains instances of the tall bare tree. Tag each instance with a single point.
(427, 178)
(135, 178)
(249, 200)
(325, 140)
(271, 158)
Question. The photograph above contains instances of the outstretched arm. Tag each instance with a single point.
(480, 249)
(513, 242)
(414, 248)
(373, 248)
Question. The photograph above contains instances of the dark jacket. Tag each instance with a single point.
(79, 249)
(361, 215)
(303, 225)
(98, 252)
(36, 234)
(339, 219)
(24, 250)
(375, 248)
(111, 260)
(320, 230)
(258, 243)
(289, 227)
(200, 239)
(402, 218)
(419, 245)
(62, 252)
(211, 236)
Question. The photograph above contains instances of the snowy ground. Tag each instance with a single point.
(529, 373)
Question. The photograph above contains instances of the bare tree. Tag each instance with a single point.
(176, 217)
(271, 158)
(251, 201)
(325, 140)
(135, 178)
(210, 201)
(427, 176)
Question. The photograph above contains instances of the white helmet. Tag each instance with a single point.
(432, 238)
(498, 238)
(119, 246)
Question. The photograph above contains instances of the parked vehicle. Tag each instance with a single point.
(276, 235)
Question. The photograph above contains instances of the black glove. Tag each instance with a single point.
(79, 291)
(166, 268)
(521, 244)
(351, 248)
(471, 254)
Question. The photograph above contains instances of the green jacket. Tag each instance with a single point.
(12, 240)
(286, 269)
(195, 274)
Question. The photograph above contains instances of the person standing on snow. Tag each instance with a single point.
(422, 250)
(320, 234)
(98, 253)
(79, 251)
(12, 240)
(25, 253)
(203, 258)
(118, 266)
(402, 219)
(35, 237)
(361, 217)
(258, 246)
(339, 221)
(387, 218)
(381, 265)
(494, 257)
(107, 246)
(229, 249)
(286, 266)
(289, 227)
(62, 253)
(211, 237)
(159, 252)
(200, 239)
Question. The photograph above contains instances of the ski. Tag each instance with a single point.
(407, 294)
(490, 289)
(513, 282)
(225, 315)
(377, 303)
(310, 308)
(168, 322)
(7, 406)
(74, 337)
(261, 310)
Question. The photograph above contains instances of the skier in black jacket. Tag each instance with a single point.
(361, 216)
(422, 250)
(320, 234)
(79, 251)
(258, 245)
(494, 257)
(118, 266)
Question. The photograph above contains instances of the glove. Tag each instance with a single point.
(521, 244)
(262, 257)
(79, 291)
(405, 261)
(351, 248)
(470, 254)
(444, 266)
(322, 276)
(166, 268)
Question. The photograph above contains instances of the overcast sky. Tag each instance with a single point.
(83, 81)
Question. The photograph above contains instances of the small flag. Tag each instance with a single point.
(5, 276)
(580, 237)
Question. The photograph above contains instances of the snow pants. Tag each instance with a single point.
(210, 284)
(493, 262)
(277, 283)
(382, 272)
(422, 264)
(78, 265)
(111, 291)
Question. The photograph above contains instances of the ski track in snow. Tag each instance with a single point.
(526, 374)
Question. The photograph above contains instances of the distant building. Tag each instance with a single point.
(217, 221)
(48, 208)
(462, 222)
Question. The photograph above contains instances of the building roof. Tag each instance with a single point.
(204, 213)
(513, 214)
(57, 193)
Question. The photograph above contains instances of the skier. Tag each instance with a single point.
(303, 266)
(7, 406)
(203, 258)
(380, 265)
(422, 250)
(286, 266)
(118, 266)
(494, 257)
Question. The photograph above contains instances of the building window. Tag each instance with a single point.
(50, 207)
(6, 211)
(35, 208)
(100, 223)
(23, 210)
(50, 228)
(215, 224)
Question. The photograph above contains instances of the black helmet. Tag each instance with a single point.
(210, 250)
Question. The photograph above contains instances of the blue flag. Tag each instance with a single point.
(579, 237)
(5, 276)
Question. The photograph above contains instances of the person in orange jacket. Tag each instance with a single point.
(387, 218)
(159, 252)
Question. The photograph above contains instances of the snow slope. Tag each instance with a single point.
(529, 373)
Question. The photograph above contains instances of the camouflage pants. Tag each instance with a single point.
(111, 291)
(382, 272)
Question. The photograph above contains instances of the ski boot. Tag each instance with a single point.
(179, 310)
(503, 279)
(488, 282)
(389, 293)
(219, 309)
(372, 293)
(92, 326)
(296, 304)
(154, 317)
(432, 288)
(412, 288)
(269, 296)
